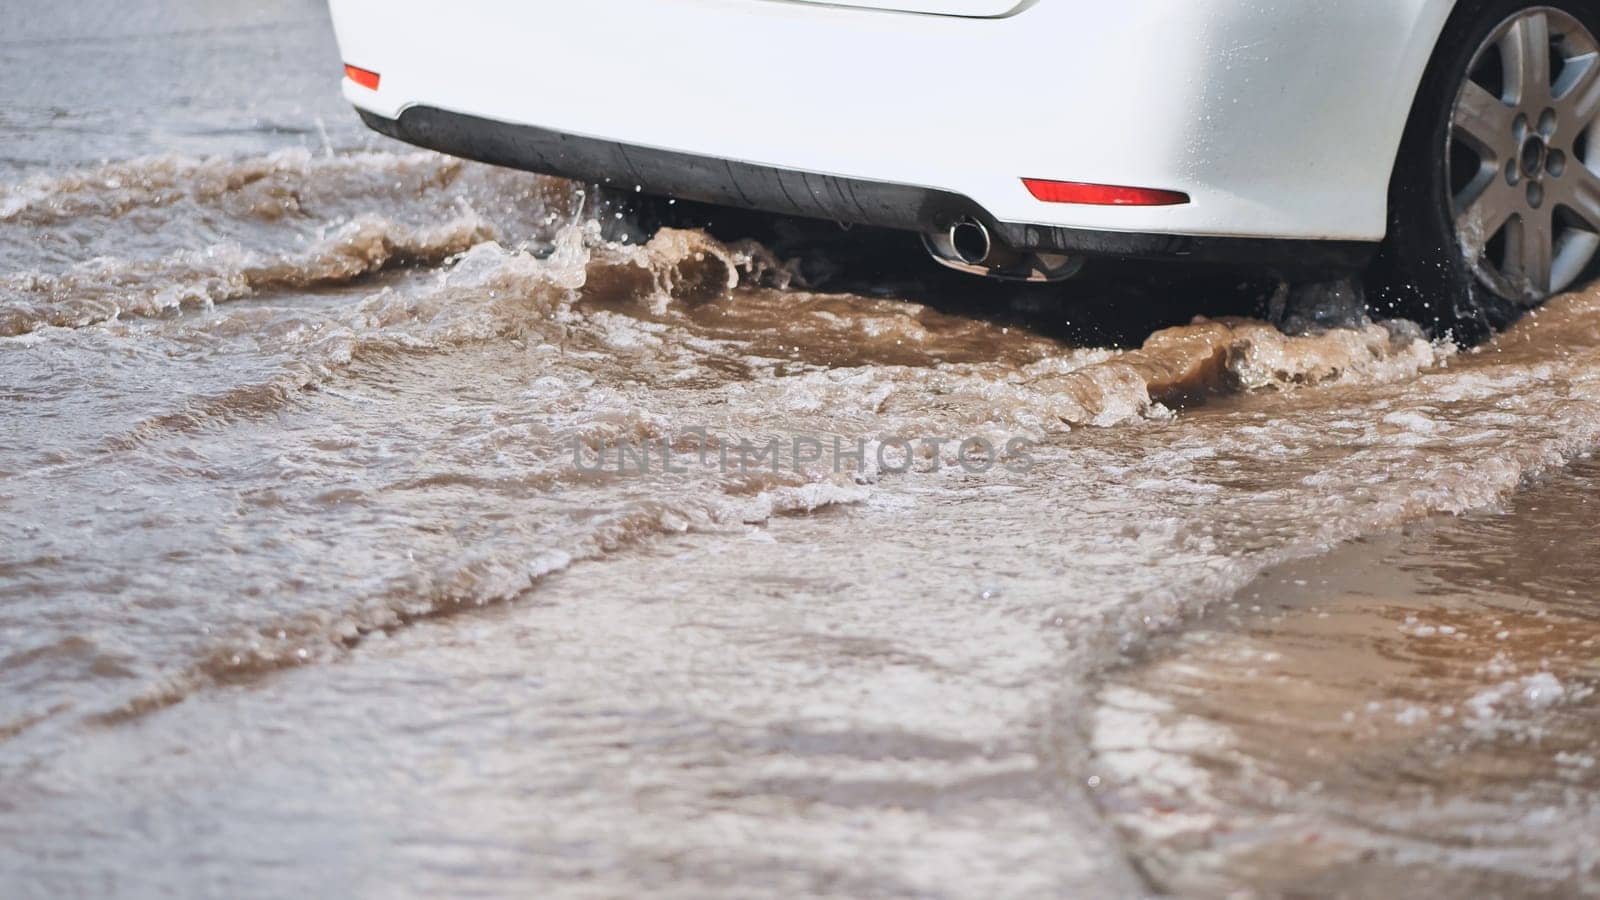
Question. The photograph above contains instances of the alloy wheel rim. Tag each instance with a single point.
(1523, 156)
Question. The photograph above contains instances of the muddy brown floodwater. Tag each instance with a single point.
(376, 523)
(1411, 712)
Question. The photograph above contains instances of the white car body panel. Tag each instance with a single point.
(975, 8)
(1280, 118)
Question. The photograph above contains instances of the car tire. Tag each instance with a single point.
(1432, 267)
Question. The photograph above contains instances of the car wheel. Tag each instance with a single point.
(1495, 200)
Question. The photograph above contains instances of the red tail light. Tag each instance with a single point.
(1101, 194)
(366, 79)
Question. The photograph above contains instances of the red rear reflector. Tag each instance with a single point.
(368, 80)
(1101, 194)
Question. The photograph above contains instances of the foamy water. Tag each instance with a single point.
(329, 562)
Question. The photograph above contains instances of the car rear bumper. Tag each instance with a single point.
(850, 200)
(1278, 126)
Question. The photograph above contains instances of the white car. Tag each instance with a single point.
(1443, 147)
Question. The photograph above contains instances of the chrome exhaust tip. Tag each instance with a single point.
(971, 242)
(967, 246)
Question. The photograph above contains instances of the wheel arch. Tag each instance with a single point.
(1428, 40)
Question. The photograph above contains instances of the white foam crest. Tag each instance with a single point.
(1261, 356)
(106, 288)
(1102, 388)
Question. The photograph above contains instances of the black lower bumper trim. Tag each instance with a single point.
(856, 201)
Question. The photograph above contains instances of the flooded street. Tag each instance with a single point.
(375, 523)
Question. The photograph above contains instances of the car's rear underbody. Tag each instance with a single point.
(1215, 130)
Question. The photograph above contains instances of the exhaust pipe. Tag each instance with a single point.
(971, 242)
(968, 246)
